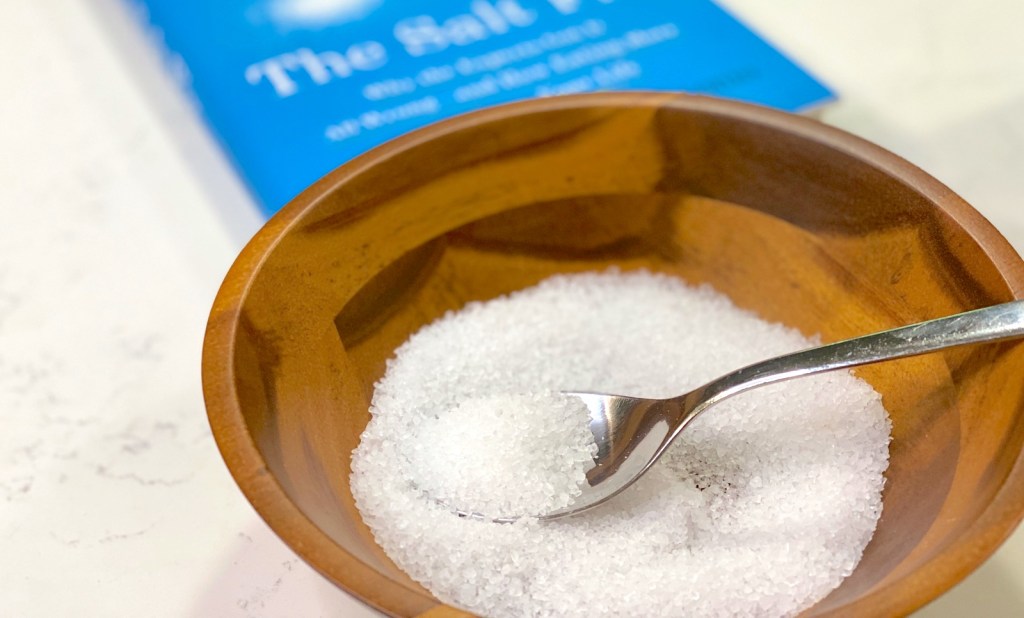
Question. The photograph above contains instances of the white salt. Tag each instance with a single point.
(504, 455)
(760, 508)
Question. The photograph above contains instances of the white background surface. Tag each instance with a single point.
(113, 239)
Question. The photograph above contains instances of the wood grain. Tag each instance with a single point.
(800, 222)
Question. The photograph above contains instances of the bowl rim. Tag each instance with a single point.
(247, 466)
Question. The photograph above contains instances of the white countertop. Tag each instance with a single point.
(114, 238)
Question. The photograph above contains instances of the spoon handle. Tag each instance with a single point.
(995, 323)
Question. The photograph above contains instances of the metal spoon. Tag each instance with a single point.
(632, 433)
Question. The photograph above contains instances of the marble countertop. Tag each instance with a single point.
(121, 217)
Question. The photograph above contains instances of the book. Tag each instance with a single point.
(294, 88)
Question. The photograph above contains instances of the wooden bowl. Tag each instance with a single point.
(798, 221)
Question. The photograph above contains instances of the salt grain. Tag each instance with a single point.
(760, 508)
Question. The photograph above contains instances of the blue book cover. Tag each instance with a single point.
(294, 88)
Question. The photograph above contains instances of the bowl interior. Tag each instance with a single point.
(800, 223)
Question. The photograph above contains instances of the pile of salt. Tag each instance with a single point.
(760, 508)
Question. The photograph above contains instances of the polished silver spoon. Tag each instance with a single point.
(632, 433)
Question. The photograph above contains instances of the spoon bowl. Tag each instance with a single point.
(632, 433)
